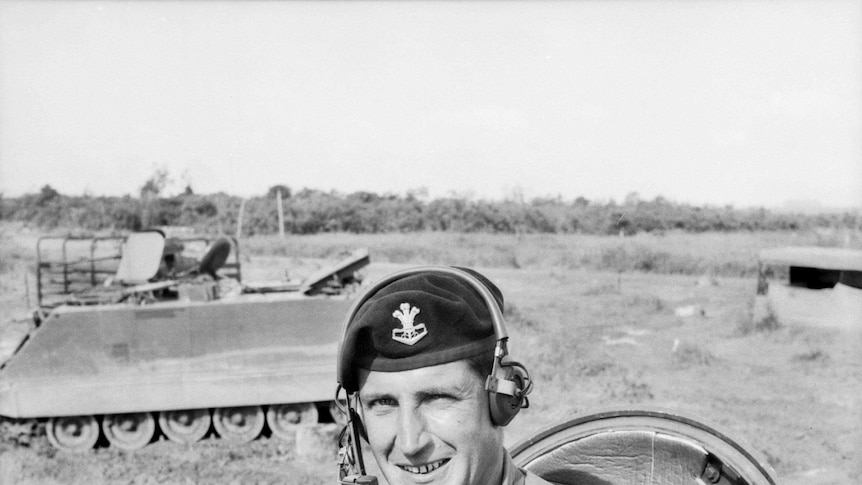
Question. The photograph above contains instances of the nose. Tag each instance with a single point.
(413, 436)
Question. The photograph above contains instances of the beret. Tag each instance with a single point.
(421, 320)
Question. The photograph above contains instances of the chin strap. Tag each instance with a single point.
(351, 466)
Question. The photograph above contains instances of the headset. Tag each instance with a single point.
(508, 384)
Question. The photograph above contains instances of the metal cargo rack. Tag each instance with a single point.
(79, 270)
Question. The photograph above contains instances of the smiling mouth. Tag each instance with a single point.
(421, 470)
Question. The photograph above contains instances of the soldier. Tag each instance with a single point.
(423, 360)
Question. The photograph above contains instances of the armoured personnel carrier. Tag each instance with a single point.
(147, 334)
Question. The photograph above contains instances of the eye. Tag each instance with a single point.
(440, 398)
(382, 402)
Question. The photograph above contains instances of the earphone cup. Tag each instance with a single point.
(504, 407)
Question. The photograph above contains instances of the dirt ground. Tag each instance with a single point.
(591, 340)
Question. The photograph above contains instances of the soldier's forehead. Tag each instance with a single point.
(450, 377)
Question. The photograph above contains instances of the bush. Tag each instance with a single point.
(311, 211)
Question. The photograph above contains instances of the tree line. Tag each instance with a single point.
(310, 211)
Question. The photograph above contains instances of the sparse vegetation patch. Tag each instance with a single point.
(813, 355)
(687, 354)
(628, 389)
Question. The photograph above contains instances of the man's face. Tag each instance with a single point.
(431, 425)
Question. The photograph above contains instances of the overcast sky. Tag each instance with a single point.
(717, 102)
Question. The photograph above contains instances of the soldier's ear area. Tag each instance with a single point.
(504, 406)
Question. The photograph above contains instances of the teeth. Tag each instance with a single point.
(421, 470)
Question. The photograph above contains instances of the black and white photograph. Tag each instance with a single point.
(590, 242)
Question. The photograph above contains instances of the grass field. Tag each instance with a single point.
(714, 254)
(595, 319)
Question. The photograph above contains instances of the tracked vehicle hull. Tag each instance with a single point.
(256, 349)
(152, 342)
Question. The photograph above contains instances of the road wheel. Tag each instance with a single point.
(130, 431)
(74, 434)
(239, 424)
(283, 419)
(185, 426)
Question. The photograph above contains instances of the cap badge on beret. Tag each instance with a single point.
(408, 333)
